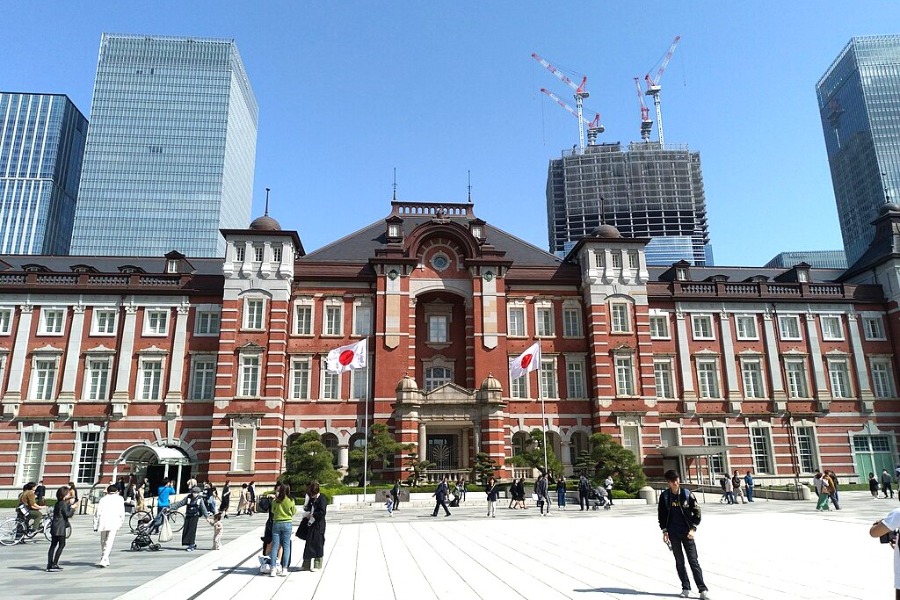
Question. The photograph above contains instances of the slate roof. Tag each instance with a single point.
(738, 274)
(108, 264)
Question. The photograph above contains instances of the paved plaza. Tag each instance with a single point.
(768, 550)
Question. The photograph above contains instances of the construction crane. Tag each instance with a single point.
(580, 94)
(646, 123)
(653, 87)
(594, 128)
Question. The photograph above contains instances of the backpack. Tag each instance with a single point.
(668, 494)
(722, 483)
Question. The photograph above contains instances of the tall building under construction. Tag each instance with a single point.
(647, 191)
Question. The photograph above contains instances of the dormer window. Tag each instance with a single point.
(171, 266)
(802, 275)
(394, 230)
(477, 231)
(130, 269)
(35, 269)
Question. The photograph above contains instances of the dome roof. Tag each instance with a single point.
(407, 384)
(265, 223)
(889, 208)
(606, 231)
(490, 384)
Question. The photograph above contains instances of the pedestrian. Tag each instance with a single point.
(823, 489)
(886, 484)
(130, 496)
(59, 524)
(251, 502)
(540, 490)
(873, 486)
(72, 493)
(314, 508)
(522, 497)
(561, 492)
(209, 496)
(243, 500)
(395, 496)
(736, 484)
(194, 507)
(120, 486)
(584, 491)
(164, 497)
(389, 504)
(729, 490)
(139, 497)
(888, 526)
(191, 482)
(226, 499)
(491, 492)
(28, 506)
(440, 497)
(679, 517)
(461, 489)
(608, 486)
(283, 510)
(39, 492)
(833, 483)
(748, 485)
(108, 518)
(217, 530)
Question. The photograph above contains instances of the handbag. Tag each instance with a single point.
(165, 531)
(303, 529)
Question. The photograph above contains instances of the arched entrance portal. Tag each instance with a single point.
(156, 464)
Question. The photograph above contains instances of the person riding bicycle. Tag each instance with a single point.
(28, 503)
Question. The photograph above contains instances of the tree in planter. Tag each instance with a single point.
(586, 464)
(533, 456)
(382, 448)
(418, 469)
(307, 459)
(610, 458)
(485, 467)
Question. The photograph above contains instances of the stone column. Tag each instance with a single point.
(343, 456)
(464, 442)
(126, 355)
(684, 359)
(815, 351)
(20, 354)
(859, 363)
(73, 351)
(422, 441)
(176, 369)
(774, 362)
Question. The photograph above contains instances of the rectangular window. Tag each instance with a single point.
(44, 379)
(874, 328)
(303, 319)
(359, 383)
(575, 379)
(708, 379)
(333, 320)
(616, 260)
(789, 326)
(631, 439)
(97, 378)
(243, 449)
(52, 320)
(796, 378)
(518, 388)
(151, 379)
(662, 376)
(624, 376)
(436, 376)
(659, 327)
(203, 378)
(882, 378)
(156, 322)
(258, 253)
(32, 456)
(701, 326)
(572, 322)
(253, 313)
(250, 375)
(5, 321)
(516, 321)
(831, 328)
(300, 368)
(104, 322)
(331, 385)
(276, 254)
(839, 376)
(88, 456)
(544, 316)
(599, 259)
(762, 454)
(239, 253)
(209, 322)
(438, 329)
(715, 436)
(751, 373)
(746, 327)
(548, 379)
(362, 319)
(620, 321)
(633, 260)
(806, 450)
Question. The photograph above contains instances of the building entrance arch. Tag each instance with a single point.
(157, 463)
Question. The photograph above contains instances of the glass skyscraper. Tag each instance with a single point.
(859, 102)
(41, 151)
(170, 151)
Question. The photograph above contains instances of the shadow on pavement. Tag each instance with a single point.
(628, 592)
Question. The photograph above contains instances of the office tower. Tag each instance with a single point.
(648, 191)
(859, 102)
(41, 150)
(819, 259)
(171, 148)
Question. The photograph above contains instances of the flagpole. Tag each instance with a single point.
(366, 429)
(543, 418)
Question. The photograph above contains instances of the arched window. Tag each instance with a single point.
(577, 446)
(519, 442)
(331, 442)
(436, 377)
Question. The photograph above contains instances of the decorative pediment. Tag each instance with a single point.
(251, 348)
(836, 353)
(750, 353)
(450, 392)
(48, 349)
(706, 353)
(153, 350)
(794, 352)
(101, 349)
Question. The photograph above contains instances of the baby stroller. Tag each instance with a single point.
(142, 537)
(599, 498)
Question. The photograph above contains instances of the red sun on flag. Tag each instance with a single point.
(346, 357)
(526, 360)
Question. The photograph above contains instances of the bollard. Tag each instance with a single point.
(82, 505)
(647, 493)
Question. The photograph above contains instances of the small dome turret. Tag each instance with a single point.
(407, 384)
(606, 231)
(490, 384)
(265, 223)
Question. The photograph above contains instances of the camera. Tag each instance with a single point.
(889, 538)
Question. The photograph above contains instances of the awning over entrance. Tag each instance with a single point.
(676, 451)
(155, 455)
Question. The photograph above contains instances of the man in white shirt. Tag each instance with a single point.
(108, 518)
(886, 526)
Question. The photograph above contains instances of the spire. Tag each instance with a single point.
(469, 172)
(266, 214)
(395, 184)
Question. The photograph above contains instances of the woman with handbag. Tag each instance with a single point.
(314, 514)
(62, 512)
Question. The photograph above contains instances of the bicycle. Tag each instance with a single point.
(14, 530)
(176, 519)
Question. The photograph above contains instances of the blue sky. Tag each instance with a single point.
(348, 91)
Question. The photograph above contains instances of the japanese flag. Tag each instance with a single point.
(528, 361)
(347, 358)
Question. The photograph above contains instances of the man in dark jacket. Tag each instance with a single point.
(584, 492)
(679, 517)
(440, 495)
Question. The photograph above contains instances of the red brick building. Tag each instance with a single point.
(207, 367)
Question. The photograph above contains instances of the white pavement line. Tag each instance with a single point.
(371, 568)
(444, 581)
(337, 579)
(411, 583)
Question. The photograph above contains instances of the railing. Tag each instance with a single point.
(161, 281)
(108, 280)
(762, 289)
(436, 475)
(55, 279)
(7, 279)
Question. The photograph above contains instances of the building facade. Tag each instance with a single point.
(171, 148)
(42, 140)
(647, 191)
(859, 103)
(820, 259)
(207, 367)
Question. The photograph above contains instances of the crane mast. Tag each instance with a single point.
(580, 94)
(653, 87)
(646, 123)
(594, 127)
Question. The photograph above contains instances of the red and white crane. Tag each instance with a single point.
(594, 128)
(580, 94)
(646, 123)
(653, 86)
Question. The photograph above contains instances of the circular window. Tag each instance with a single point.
(440, 262)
